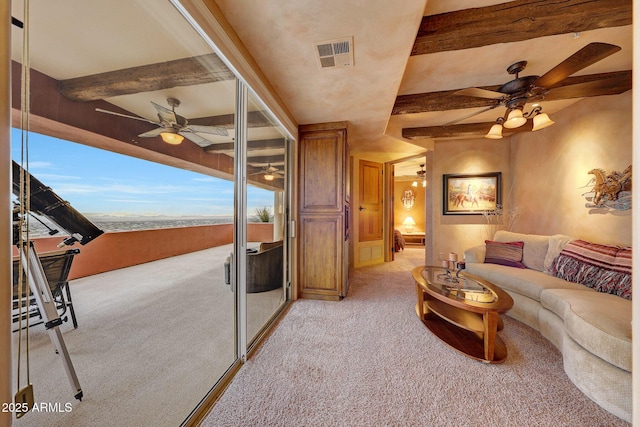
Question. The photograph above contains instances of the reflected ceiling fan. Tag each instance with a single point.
(172, 127)
(270, 172)
(516, 93)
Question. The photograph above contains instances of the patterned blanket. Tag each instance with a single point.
(601, 267)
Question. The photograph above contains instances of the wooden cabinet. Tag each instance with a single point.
(324, 214)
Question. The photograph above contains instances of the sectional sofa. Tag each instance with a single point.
(577, 294)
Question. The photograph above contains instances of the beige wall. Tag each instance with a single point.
(543, 174)
(455, 233)
(417, 211)
(550, 170)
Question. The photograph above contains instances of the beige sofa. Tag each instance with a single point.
(591, 329)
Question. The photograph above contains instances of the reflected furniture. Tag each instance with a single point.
(463, 311)
(264, 267)
(56, 266)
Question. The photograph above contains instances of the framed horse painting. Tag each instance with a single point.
(471, 194)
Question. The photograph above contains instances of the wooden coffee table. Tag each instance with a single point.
(463, 311)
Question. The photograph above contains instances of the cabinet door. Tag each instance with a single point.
(322, 171)
(321, 257)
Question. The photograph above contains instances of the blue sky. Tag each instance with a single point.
(95, 181)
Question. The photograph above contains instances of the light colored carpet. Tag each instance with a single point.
(369, 361)
(152, 340)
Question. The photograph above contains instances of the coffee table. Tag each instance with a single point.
(463, 311)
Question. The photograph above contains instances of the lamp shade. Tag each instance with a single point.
(514, 119)
(408, 223)
(495, 132)
(171, 138)
(269, 177)
(541, 121)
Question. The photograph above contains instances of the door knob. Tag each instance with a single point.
(361, 208)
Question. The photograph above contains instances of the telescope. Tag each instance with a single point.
(43, 201)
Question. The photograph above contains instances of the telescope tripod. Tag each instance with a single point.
(39, 287)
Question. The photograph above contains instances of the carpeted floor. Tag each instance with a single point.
(369, 361)
(152, 340)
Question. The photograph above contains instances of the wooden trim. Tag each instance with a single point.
(322, 126)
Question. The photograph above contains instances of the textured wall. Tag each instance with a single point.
(543, 174)
(455, 233)
(550, 170)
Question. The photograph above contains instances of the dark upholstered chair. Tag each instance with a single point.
(56, 266)
(264, 268)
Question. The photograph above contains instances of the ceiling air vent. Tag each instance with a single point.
(335, 53)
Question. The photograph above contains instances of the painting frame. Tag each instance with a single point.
(471, 194)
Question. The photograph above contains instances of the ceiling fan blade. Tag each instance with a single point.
(480, 93)
(213, 130)
(588, 55)
(475, 113)
(155, 132)
(125, 115)
(593, 88)
(165, 114)
(195, 138)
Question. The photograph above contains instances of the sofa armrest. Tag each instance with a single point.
(475, 254)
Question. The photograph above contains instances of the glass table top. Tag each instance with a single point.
(456, 285)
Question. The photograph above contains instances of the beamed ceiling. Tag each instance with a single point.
(507, 23)
(398, 97)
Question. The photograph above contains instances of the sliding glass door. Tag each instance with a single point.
(143, 128)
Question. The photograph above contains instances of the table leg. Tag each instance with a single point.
(490, 319)
(420, 306)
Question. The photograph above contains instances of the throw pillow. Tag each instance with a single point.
(601, 267)
(504, 253)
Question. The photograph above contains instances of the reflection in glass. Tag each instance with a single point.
(266, 216)
(156, 320)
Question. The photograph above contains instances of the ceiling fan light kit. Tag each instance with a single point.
(541, 121)
(173, 128)
(515, 94)
(171, 138)
(495, 132)
(514, 119)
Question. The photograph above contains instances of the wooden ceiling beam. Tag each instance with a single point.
(263, 144)
(466, 130)
(146, 78)
(516, 21)
(571, 87)
(273, 159)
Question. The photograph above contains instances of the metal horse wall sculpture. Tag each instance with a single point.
(609, 191)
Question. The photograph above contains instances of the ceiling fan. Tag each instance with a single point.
(270, 172)
(516, 93)
(172, 127)
(422, 176)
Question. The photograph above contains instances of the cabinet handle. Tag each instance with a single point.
(361, 208)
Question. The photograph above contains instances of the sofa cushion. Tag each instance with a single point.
(524, 281)
(534, 250)
(601, 323)
(557, 242)
(601, 267)
(504, 253)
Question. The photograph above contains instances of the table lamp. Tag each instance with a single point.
(408, 223)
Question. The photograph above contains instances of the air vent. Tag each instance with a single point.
(335, 53)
